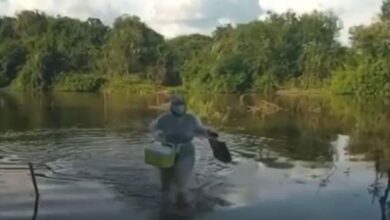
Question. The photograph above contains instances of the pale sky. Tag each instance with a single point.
(175, 17)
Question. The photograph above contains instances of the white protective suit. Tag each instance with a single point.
(179, 128)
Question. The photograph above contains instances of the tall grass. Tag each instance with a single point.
(369, 77)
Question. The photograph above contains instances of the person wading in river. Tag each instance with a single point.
(177, 127)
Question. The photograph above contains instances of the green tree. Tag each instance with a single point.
(185, 48)
(385, 11)
(38, 51)
(261, 53)
(372, 40)
(31, 23)
(40, 70)
(49, 46)
(131, 48)
(7, 28)
(12, 58)
(367, 71)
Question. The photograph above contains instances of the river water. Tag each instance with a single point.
(294, 158)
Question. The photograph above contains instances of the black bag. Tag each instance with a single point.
(220, 151)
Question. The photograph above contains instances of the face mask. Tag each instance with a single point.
(179, 109)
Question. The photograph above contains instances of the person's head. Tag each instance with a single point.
(178, 106)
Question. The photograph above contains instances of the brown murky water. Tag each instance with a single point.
(314, 158)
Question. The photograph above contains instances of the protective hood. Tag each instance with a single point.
(178, 106)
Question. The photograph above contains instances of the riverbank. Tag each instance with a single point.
(302, 92)
(90, 83)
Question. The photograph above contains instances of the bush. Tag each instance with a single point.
(266, 83)
(3, 80)
(368, 77)
(30, 77)
(78, 82)
(129, 83)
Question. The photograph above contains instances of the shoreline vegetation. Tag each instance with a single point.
(285, 53)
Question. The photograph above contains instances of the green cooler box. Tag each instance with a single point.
(160, 156)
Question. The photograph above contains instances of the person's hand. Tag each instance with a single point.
(159, 135)
(212, 134)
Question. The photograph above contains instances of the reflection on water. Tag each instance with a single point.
(314, 158)
(380, 190)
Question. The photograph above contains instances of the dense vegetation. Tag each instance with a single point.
(42, 52)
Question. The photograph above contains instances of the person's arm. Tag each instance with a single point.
(202, 131)
(156, 132)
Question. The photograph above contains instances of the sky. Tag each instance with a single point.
(177, 17)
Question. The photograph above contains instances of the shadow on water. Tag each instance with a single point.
(307, 153)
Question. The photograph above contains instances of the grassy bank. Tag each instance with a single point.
(302, 92)
(93, 83)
